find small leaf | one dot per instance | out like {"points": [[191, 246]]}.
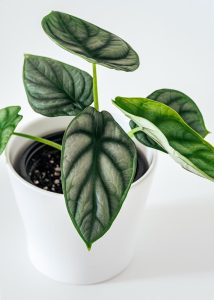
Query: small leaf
{"points": [[166, 127], [94, 44], [9, 119], [184, 106], [54, 88], [98, 166]]}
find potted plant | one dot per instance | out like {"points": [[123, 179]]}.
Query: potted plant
{"points": [[84, 153]]}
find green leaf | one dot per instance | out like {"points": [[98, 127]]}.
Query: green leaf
{"points": [[184, 106], [9, 119], [145, 139], [166, 127], [98, 166], [55, 88], [94, 44]]}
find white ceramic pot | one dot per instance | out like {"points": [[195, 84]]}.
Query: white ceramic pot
{"points": [[54, 246]]}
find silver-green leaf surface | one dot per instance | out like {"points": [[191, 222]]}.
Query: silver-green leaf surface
{"points": [[89, 41], [166, 127], [98, 166], [55, 88], [9, 119]]}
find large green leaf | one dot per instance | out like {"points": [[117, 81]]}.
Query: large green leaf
{"points": [[98, 166], [55, 88], [183, 105], [165, 126], [94, 44], [9, 119]]}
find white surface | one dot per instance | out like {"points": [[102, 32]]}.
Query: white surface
{"points": [[175, 41], [54, 246]]}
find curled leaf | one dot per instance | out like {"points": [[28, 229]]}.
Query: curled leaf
{"points": [[166, 127], [183, 105], [145, 139]]}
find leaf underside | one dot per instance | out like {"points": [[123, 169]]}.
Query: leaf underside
{"points": [[98, 166], [183, 105], [168, 129], [55, 88], [92, 43], [9, 119], [145, 139]]}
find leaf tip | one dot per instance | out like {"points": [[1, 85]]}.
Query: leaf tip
{"points": [[18, 107], [27, 55], [44, 19], [117, 100], [207, 132], [52, 12], [89, 246]]}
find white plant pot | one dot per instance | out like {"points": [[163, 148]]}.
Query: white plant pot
{"points": [[54, 246]]}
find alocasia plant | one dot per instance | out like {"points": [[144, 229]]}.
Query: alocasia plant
{"points": [[98, 159]]}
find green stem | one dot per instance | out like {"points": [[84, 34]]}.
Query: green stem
{"points": [[39, 140], [95, 91], [133, 131]]}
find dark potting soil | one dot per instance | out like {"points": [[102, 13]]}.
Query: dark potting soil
{"points": [[39, 164]]}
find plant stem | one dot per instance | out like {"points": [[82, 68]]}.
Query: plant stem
{"points": [[133, 131], [39, 140], [95, 91]]}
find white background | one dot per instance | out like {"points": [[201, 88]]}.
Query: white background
{"points": [[175, 42]]}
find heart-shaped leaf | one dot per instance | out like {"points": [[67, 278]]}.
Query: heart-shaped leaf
{"points": [[94, 44], [98, 166], [54, 88], [9, 119], [166, 127], [183, 105]]}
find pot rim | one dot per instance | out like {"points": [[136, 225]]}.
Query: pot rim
{"points": [[57, 195]]}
